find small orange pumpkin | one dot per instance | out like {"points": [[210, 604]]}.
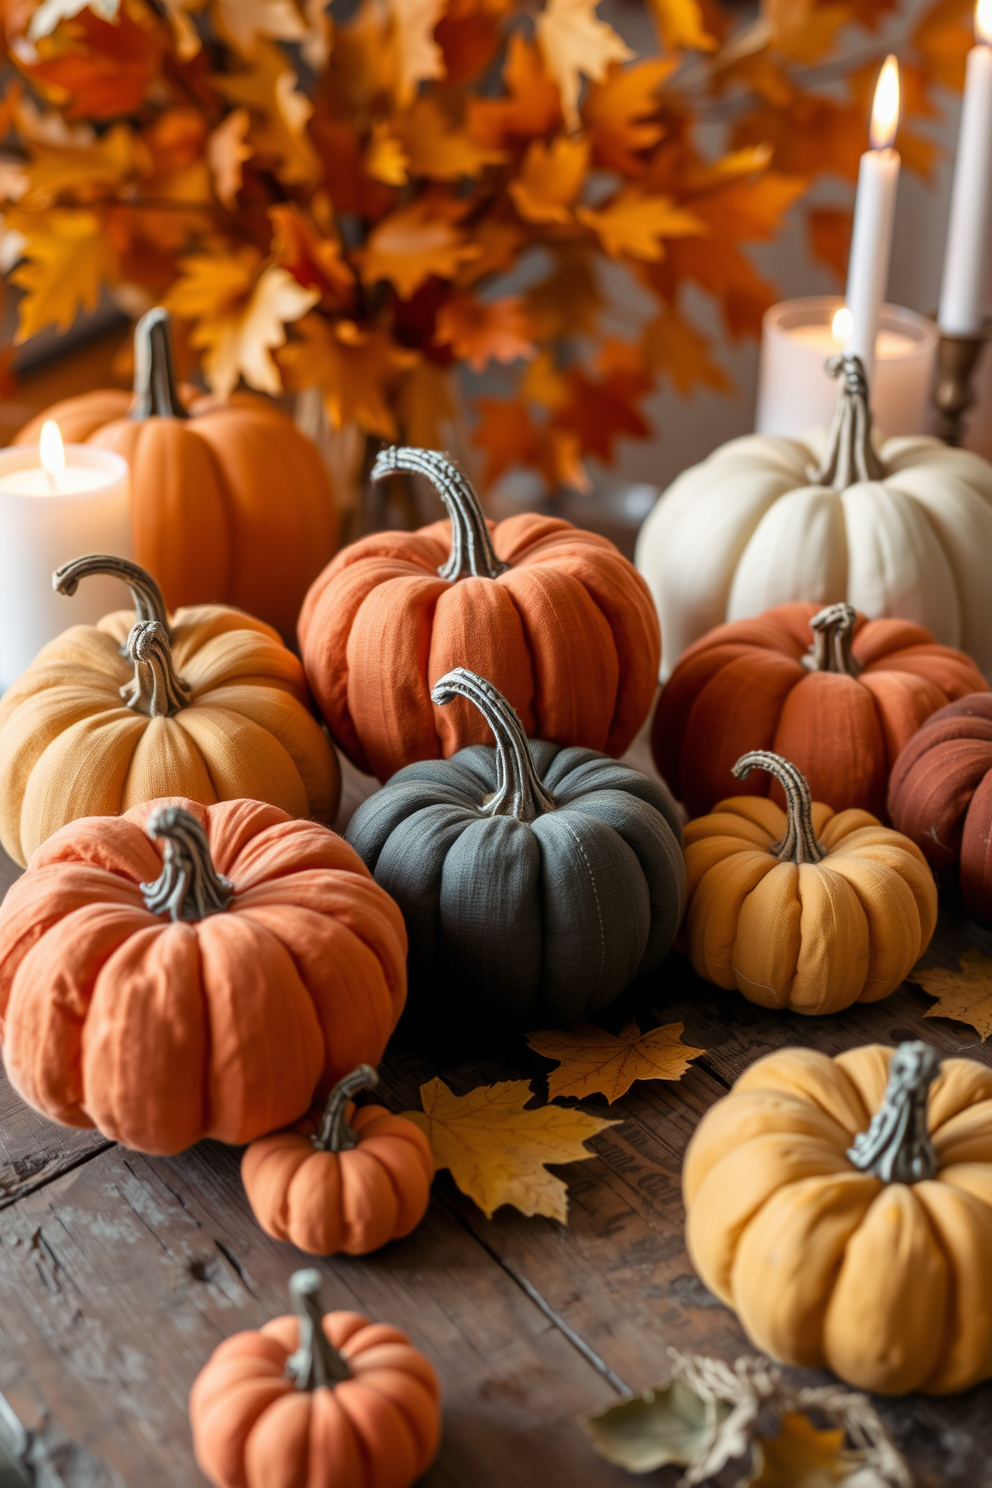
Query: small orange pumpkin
{"points": [[326, 1401], [349, 1180]]}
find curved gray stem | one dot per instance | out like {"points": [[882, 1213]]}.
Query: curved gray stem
{"points": [[156, 687], [520, 791], [156, 390], [897, 1146], [335, 1135], [850, 455], [799, 845], [146, 596], [316, 1363], [833, 636], [472, 551], [189, 886]]}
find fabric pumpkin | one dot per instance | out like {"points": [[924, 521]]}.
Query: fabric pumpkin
{"points": [[847, 1217], [190, 971], [841, 709], [350, 1179], [555, 617], [209, 704], [230, 502], [326, 1400], [901, 532], [803, 908], [940, 795], [536, 882]]}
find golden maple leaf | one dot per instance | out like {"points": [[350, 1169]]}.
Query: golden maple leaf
{"points": [[681, 26], [419, 57], [354, 369], [801, 1456], [79, 170], [496, 1150], [414, 242], [635, 224], [483, 331], [672, 346], [385, 158], [227, 150], [279, 113], [594, 1062], [965, 995], [532, 105], [550, 179], [68, 258], [616, 113], [437, 149], [425, 404], [575, 44], [243, 22]]}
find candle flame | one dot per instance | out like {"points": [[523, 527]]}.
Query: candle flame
{"points": [[842, 324], [885, 109], [51, 449], [983, 21]]}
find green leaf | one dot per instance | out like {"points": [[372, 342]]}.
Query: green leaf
{"points": [[669, 1424]]}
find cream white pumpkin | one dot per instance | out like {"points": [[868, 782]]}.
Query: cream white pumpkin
{"points": [[899, 528]]}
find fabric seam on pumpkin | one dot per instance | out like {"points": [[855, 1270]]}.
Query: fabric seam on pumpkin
{"points": [[599, 909]]}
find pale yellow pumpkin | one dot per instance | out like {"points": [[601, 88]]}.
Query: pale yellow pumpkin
{"points": [[843, 1208]]}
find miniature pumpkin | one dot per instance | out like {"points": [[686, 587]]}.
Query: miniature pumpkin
{"points": [[535, 881], [323, 1400], [847, 1217], [940, 795], [190, 971], [209, 704], [555, 617], [348, 1180], [230, 503], [803, 908], [904, 531], [840, 709]]}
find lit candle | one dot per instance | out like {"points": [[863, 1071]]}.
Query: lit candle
{"points": [[874, 215], [969, 230], [55, 503]]}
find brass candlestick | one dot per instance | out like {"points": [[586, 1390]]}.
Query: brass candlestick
{"points": [[957, 358]]}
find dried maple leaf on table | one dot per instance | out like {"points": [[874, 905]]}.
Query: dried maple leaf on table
{"points": [[67, 259], [594, 1062], [550, 180], [576, 44], [496, 1150], [965, 995], [483, 331], [801, 1456], [669, 1425], [636, 224], [354, 367], [415, 242]]}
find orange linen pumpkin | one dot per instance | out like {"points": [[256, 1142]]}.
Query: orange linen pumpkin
{"points": [[843, 1208], [316, 1401], [351, 1178], [803, 908], [208, 704], [840, 709], [555, 618], [230, 503], [189, 971]]}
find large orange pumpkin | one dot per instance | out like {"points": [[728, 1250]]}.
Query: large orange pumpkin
{"points": [[555, 618], [840, 709], [190, 971], [230, 503]]}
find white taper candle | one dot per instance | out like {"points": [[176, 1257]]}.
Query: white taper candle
{"points": [[874, 216], [969, 230]]}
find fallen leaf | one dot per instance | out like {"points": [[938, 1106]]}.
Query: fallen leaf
{"points": [[414, 242], [68, 259], [594, 1062], [227, 151], [681, 26], [437, 149], [496, 1150], [829, 231], [484, 331], [616, 112], [420, 57], [576, 44], [550, 180], [669, 1424], [354, 368], [673, 347], [633, 223], [965, 995], [242, 22], [801, 1456], [532, 105]]}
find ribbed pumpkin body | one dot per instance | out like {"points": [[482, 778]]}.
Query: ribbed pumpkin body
{"points": [[889, 1284]]}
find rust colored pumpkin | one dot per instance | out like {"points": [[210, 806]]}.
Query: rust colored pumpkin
{"points": [[190, 971], [208, 704], [316, 1401], [556, 619], [841, 709], [230, 503], [843, 1208], [349, 1179], [803, 908], [940, 795]]}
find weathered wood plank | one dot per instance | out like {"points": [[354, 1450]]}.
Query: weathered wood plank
{"points": [[33, 1151]]}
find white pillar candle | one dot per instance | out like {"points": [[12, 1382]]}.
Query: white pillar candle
{"points": [[48, 516], [874, 216], [969, 229]]}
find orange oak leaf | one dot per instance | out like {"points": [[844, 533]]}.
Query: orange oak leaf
{"points": [[426, 406], [419, 56], [576, 44], [532, 105], [483, 331], [439, 150], [829, 230], [227, 151], [681, 26], [313, 259], [617, 113], [415, 242], [280, 111], [497, 1150], [965, 994], [511, 438], [354, 368], [594, 1062], [635, 224], [669, 345], [67, 260], [550, 180]]}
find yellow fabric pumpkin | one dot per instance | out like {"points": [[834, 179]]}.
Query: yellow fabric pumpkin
{"points": [[847, 1218], [209, 705], [803, 908]]}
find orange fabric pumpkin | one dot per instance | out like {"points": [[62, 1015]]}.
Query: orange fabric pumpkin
{"points": [[555, 618], [316, 1401], [230, 503], [350, 1179], [840, 709], [189, 971]]}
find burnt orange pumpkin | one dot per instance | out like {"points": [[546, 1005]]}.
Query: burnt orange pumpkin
{"points": [[315, 1401], [840, 708], [555, 618], [230, 503], [188, 971], [346, 1179]]}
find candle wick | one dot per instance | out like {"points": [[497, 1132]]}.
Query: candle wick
{"points": [[53, 485]]}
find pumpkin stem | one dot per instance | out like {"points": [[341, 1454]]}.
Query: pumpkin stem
{"points": [[472, 551], [799, 845], [189, 886], [156, 687], [897, 1146], [156, 392], [146, 596], [316, 1363], [850, 455], [519, 790], [833, 635], [335, 1135]]}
